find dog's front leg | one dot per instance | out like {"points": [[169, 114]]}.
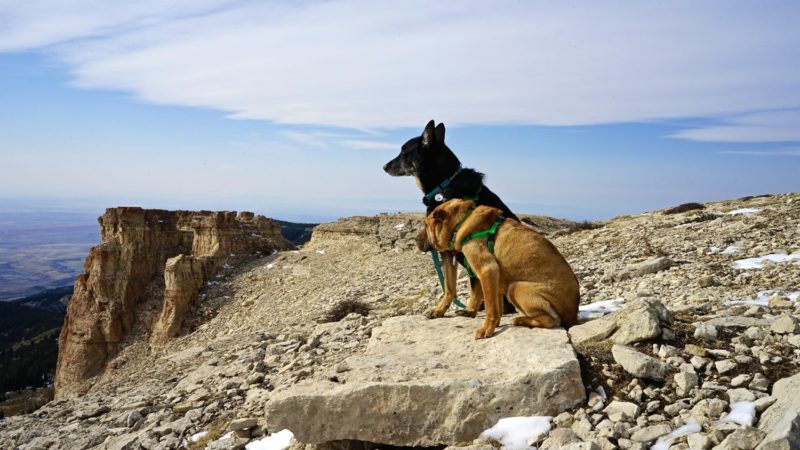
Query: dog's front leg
{"points": [[475, 299], [488, 272], [450, 273]]}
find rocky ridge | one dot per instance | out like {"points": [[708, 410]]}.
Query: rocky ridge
{"points": [[700, 334], [147, 261]]}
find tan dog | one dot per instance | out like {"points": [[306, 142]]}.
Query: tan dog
{"points": [[525, 265]]}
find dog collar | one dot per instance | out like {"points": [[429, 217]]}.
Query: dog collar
{"points": [[436, 193]]}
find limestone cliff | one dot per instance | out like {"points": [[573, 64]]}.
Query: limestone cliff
{"points": [[148, 255]]}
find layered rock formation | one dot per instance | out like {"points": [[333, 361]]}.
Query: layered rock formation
{"points": [[146, 255]]}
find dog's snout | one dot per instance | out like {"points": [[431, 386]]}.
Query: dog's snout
{"points": [[386, 167]]}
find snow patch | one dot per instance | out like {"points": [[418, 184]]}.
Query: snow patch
{"points": [[513, 433], [227, 266], [270, 266], [729, 250], [762, 298], [664, 442], [758, 262], [321, 252], [225, 436], [399, 226], [742, 413], [197, 436], [275, 441], [739, 211], [601, 308]]}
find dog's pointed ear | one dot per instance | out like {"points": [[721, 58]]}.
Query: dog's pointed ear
{"points": [[429, 134], [440, 132]]}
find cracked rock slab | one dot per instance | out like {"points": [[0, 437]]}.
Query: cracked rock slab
{"points": [[429, 382]]}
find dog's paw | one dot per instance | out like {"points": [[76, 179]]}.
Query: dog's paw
{"points": [[484, 333], [466, 313], [433, 313]]}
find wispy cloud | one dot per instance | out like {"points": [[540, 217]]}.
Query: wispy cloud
{"points": [[362, 144], [778, 152], [769, 126], [311, 139], [372, 65], [326, 139]]}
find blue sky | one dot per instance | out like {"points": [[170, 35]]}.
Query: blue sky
{"points": [[572, 109]]}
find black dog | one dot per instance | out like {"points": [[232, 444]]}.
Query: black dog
{"points": [[439, 173], [441, 177]]}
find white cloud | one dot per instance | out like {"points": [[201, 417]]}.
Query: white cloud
{"points": [[769, 126], [325, 139], [311, 139], [777, 152], [364, 144], [362, 64]]}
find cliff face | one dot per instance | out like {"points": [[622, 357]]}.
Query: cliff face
{"points": [[155, 255]]}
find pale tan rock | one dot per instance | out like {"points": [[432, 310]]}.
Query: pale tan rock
{"points": [[639, 320], [428, 382], [637, 363], [781, 421], [183, 277]]}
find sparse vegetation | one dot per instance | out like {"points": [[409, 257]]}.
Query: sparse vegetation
{"points": [[29, 330], [580, 226], [652, 249], [340, 310], [214, 432], [702, 217], [684, 207]]}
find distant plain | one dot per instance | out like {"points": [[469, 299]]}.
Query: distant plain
{"points": [[41, 250]]}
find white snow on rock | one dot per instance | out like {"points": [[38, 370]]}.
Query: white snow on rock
{"points": [[600, 308], [742, 413], [729, 250], [321, 252], [197, 436], [664, 442], [399, 226], [739, 211], [762, 298], [275, 441], [758, 262], [513, 433]]}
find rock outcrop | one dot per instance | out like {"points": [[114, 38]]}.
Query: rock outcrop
{"points": [[429, 382], [130, 267]]}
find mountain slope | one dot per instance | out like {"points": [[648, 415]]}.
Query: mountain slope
{"points": [[255, 329]]}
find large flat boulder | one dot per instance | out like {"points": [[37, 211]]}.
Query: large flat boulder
{"points": [[429, 382], [781, 421]]}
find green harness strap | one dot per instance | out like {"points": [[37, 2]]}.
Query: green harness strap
{"points": [[488, 234], [438, 266]]}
